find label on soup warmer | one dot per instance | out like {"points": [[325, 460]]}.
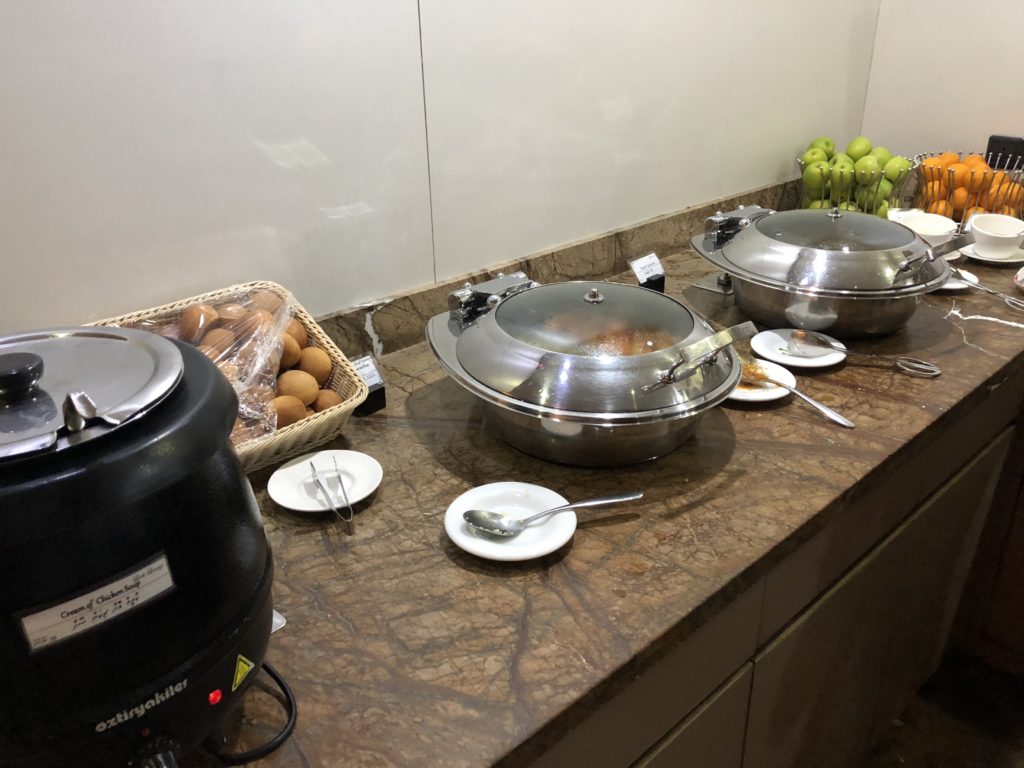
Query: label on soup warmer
{"points": [[98, 606]]}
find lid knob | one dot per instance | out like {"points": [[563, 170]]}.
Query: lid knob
{"points": [[19, 373], [593, 296]]}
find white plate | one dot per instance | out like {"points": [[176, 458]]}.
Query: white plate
{"points": [[521, 499], [756, 394], [955, 284], [1017, 257], [771, 345], [292, 484]]}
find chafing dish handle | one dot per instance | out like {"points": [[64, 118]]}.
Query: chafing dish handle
{"points": [[931, 254], [704, 351]]}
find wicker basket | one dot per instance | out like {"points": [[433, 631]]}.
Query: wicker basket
{"points": [[307, 433]]}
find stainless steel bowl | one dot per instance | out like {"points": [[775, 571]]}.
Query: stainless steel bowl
{"points": [[585, 373], [846, 273]]}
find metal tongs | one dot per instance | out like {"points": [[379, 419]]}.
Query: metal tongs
{"points": [[1011, 301], [330, 498], [811, 344]]}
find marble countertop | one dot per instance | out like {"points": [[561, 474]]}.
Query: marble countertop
{"points": [[405, 651]]}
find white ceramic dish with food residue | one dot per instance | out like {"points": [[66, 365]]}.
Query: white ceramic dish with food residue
{"points": [[753, 393]]}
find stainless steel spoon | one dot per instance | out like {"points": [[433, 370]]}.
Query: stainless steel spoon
{"points": [[501, 524], [754, 375]]}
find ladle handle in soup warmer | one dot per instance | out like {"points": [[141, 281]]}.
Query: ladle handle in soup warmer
{"points": [[704, 351]]}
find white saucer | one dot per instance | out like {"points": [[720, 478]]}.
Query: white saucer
{"points": [[292, 484], [755, 394], [955, 284], [1017, 257], [523, 499], [771, 345]]}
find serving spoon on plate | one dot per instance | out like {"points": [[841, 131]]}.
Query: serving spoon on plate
{"points": [[502, 524]]}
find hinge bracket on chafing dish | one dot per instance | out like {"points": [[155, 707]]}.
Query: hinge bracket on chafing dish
{"points": [[723, 227], [471, 301]]}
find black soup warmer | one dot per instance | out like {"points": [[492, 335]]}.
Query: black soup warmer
{"points": [[135, 574]]}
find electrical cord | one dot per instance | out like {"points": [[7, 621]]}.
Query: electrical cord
{"points": [[241, 758]]}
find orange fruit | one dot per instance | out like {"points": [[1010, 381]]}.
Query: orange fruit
{"points": [[978, 180], [1014, 194], [998, 192], [932, 168], [941, 207], [959, 200], [973, 211], [958, 174], [948, 158], [974, 160], [1006, 211], [934, 190]]}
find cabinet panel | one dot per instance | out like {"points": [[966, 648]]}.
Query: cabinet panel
{"points": [[853, 657], [711, 736], [933, 557], [631, 720]]}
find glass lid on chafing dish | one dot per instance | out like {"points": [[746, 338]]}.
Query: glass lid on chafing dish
{"points": [[831, 252], [592, 347]]}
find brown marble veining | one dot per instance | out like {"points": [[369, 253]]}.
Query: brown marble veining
{"points": [[405, 651], [397, 322]]}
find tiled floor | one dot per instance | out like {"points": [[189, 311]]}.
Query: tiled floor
{"points": [[967, 716]]}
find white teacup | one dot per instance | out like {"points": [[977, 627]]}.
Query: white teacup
{"points": [[996, 236], [935, 229]]}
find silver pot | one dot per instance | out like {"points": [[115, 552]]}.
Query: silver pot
{"points": [[585, 373], [845, 273]]}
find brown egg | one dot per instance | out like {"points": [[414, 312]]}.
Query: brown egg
{"points": [[310, 412], [254, 324], [298, 332], [316, 363], [231, 315], [325, 399], [220, 339], [289, 409], [298, 383], [195, 321], [290, 352], [266, 300]]}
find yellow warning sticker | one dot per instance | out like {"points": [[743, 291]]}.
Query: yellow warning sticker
{"points": [[242, 668]]}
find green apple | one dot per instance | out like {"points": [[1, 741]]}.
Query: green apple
{"points": [[816, 175], [883, 155], [872, 196], [896, 168], [818, 204], [848, 207], [867, 170], [842, 177], [858, 147], [825, 144], [813, 155], [840, 159], [882, 210]]}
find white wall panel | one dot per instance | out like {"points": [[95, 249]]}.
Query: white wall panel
{"points": [[946, 74], [149, 150], [554, 121]]}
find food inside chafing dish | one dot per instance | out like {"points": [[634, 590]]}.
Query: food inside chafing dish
{"points": [[626, 341]]}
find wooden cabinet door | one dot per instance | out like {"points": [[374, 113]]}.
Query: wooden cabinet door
{"points": [[710, 736], [821, 687]]}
